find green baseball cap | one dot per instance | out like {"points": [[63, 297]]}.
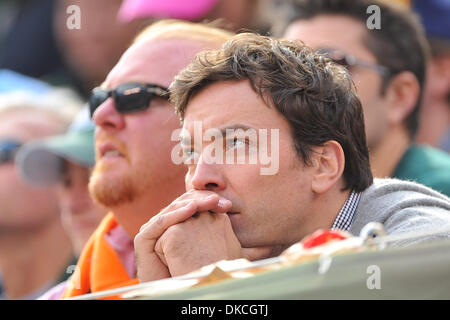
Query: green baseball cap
{"points": [[43, 161]]}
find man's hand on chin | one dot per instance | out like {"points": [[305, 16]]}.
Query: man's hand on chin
{"points": [[193, 231], [153, 265], [201, 240]]}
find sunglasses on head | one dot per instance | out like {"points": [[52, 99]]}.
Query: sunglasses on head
{"points": [[128, 97], [8, 150], [350, 61]]}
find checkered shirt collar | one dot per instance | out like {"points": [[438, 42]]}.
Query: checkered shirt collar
{"points": [[344, 219]]}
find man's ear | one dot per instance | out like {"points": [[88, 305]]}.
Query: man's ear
{"points": [[401, 95], [328, 162]]}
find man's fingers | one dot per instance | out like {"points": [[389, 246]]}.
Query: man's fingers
{"points": [[206, 201], [161, 222], [159, 252], [214, 204]]}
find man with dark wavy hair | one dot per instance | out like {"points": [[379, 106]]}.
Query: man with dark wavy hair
{"points": [[232, 208]]}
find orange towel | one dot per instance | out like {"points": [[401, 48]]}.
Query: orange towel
{"points": [[99, 267]]}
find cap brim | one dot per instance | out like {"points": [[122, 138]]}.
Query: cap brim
{"points": [[42, 162]]}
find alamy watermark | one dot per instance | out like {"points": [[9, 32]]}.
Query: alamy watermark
{"points": [[228, 146], [75, 279], [74, 19], [374, 280], [374, 20]]}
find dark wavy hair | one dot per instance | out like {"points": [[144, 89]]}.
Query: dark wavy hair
{"points": [[314, 94]]}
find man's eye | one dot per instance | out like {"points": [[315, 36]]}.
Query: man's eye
{"points": [[236, 143]]}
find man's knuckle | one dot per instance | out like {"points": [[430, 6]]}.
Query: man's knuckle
{"points": [[171, 206], [160, 220], [137, 240]]}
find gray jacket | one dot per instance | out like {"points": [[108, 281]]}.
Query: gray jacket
{"points": [[402, 206]]}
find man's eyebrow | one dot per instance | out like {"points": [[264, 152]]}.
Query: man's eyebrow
{"points": [[237, 126]]}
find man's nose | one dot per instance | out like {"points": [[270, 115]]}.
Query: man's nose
{"points": [[106, 116], [207, 176]]}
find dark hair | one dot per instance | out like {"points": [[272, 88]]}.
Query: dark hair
{"points": [[314, 94], [400, 44]]}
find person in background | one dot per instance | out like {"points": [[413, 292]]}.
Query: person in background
{"points": [[388, 66], [39, 43], [34, 248], [66, 161], [134, 176], [27, 43], [434, 124], [93, 49]]}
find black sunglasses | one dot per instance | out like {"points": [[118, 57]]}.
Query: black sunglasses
{"points": [[8, 150], [128, 97], [350, 61]]}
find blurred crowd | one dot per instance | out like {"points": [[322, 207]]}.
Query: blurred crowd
{"points": [[48, 71]]}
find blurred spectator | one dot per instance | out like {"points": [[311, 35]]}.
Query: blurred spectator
{"points": [[27, 46], [39, 43], [34, 249], [434, 128], [66, 160], [95, 48], [236, 14], [388, 67]]}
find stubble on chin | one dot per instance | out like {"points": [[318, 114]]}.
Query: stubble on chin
{"points": [[110, 191]]}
